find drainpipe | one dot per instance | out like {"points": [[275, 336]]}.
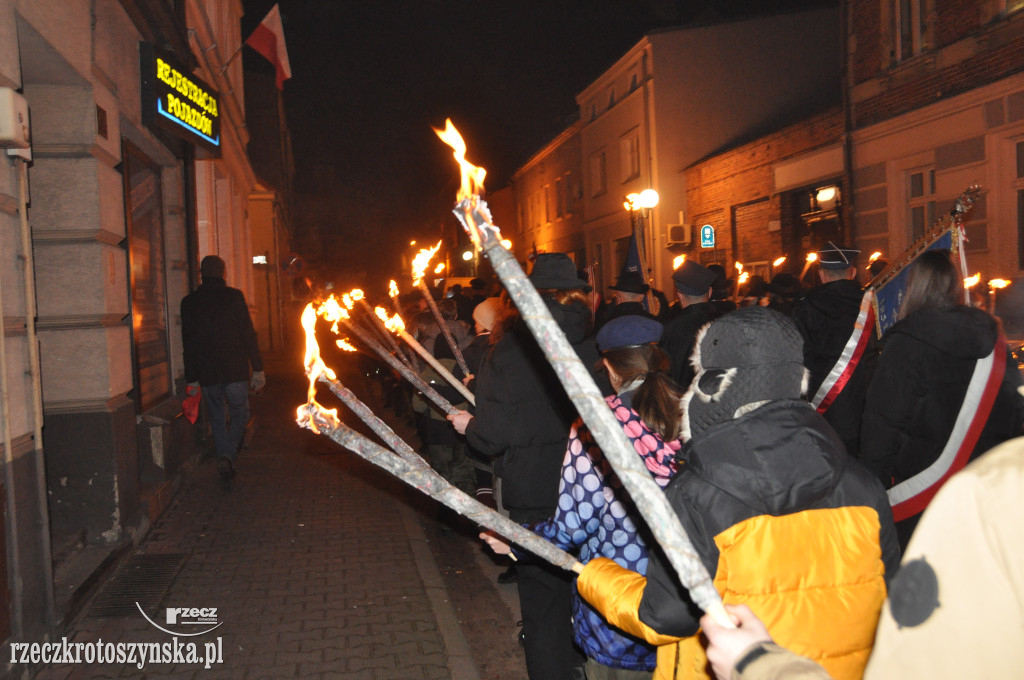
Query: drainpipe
{"points": [[37, 396]]}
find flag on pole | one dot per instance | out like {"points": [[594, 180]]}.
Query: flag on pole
{"points": [[268, 40], [634, 263]]}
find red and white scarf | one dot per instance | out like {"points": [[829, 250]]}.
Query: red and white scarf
{"points": [[913, 495], [840, 374]]}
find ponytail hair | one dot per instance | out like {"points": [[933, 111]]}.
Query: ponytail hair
{"points": [[657, 398]]}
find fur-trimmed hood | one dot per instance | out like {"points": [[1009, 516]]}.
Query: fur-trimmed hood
{"points": [[742, 360]]}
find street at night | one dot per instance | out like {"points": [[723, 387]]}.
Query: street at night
{"points": [[319, 565], [519, 340]]}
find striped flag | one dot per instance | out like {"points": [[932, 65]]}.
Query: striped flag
{"points": [[268, 40]]}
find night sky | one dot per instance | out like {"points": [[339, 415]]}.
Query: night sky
{"points": [[371, 77]]}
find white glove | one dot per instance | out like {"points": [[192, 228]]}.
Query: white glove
{"points": [[259, 381]]}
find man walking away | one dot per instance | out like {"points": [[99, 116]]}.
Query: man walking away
{"points": [[220, 347]]}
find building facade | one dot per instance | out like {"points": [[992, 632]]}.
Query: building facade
{"points": [[680, 96], [137, 168], [936, 104]]}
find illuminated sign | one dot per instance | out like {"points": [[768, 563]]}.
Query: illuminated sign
{"points": [[177, 101]]}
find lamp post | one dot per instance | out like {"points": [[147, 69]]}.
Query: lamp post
{"points": [[641, 203]]}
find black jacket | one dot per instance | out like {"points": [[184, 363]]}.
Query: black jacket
{"points": [[922, 376], [825, 318], [217, 334], [679, 336], [779, 459], [523, 412]]}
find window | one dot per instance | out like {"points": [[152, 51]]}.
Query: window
{"points": [[909, 28], [547, 203], [629, 150], [598, 183], [559, 197], [921, 202], [144, 209], [570, 194]]}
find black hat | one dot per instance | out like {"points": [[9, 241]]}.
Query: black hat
{"points": [[555, 271], [836, 257], [631, 330], [630, 282], [693, 279]]}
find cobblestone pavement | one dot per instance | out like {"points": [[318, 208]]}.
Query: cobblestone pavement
{"points": [[320, 566]]}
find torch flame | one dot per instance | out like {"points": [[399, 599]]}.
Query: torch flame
{"points": [[743, 277], [972, 281], [315, 367], [331, 311], [392, 289], [874, 256], [507, 244], [677, 261], [812, 257], [439, 268], [472, 176], [346, 345], [356, 294], [778, 261], [346, 299], [739, 266], [393, 323], [420, 262], [998, 283]]}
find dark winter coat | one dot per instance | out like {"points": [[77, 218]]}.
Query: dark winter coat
{"points": [[679, 336], [785, 522], [825, 318], [218, 337], [523, 412], [922, 376], [627, 309]]}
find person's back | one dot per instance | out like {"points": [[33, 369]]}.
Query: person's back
{"points": [[763, 473], [944, 391], [220, 346]]}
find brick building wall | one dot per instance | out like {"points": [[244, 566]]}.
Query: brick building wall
{"points": [[735, 192], [967, 44]]}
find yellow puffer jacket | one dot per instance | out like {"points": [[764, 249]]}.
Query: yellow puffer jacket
{"points": [[818, 597]]}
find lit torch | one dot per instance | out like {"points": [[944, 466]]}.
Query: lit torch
{"points": [[419, 268], [397, 326], [811, 259], [993, 286], [739, 280], [648, 497], [403, 461], [338, 315], [358, 296]]}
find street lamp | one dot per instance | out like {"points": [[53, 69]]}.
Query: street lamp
{"points": [[640, 202]]}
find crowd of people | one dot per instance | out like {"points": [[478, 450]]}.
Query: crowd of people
{"points": [[800, 452]]}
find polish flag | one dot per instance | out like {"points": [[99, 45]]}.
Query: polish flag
{"points": [[268, 40]]}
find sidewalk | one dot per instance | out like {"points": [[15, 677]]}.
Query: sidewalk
{"points": [[319, 565]]}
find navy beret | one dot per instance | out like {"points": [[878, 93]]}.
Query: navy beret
{"points": [[632, 330], [693, 279]]}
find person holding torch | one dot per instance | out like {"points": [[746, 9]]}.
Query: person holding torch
{"points": [[595, 516], [523, 413], [786, 522]]}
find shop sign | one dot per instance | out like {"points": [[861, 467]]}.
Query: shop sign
{"points": [[176, 100]]}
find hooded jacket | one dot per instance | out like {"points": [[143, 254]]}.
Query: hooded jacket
{"points": [[922, 376], [523, 412], [786, 523]]}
